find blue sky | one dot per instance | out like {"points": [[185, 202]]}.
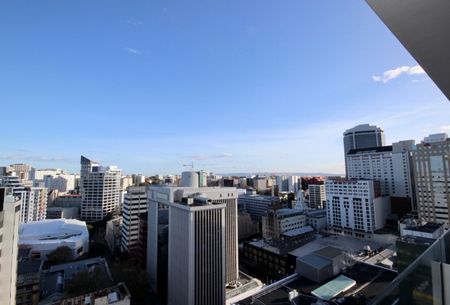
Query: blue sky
{"points": [[235, 86]]}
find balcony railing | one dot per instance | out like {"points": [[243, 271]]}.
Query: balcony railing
{"points": [[425, 282]]}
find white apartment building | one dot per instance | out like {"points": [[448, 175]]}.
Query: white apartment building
{"points": [[390, 165], [125, 182], [134, 204], [34, 204], [355, 207], [431, 165], [39, 174], [33, 200], [9, 236], [61, 182], [317, 196], [100, 190]]}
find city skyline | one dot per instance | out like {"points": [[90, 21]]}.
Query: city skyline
{"points": [[242, 96]]}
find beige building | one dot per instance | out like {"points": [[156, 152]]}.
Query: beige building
{"points": [[9, 235], [431, 165]]}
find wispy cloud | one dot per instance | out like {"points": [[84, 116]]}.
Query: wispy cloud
{"points": [[135, 22], [201, 157], [33, 158], [132, 51], [445, 128], [397, 72]]}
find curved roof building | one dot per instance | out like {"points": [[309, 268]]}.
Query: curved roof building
{"points": [[47, 235]]}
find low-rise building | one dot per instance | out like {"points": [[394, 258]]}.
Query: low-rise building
{"points": [[46, 236], [28, 282], [60, 212], [116, 295], [321, 265], [55, 279], [280, 221], [317, 219], [257, 205]]}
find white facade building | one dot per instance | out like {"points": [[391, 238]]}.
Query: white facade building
{"points": [[34, 204], [61, 182], [391, 165], [355, 207], [9, 236], [39, 174], [33, 200], [46, 236], [100, 190], [134, 204], [431, 164]]}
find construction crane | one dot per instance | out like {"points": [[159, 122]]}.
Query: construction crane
{"points": [[191, 165]]}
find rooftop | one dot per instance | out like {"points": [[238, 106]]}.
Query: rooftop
{"points": [[429, 227], [51, 231], [370, 149], [299, 231], [370, 280], [334, 287]]}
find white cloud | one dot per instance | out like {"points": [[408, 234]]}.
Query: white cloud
{"points": [[33, 158], [394, 73], [199, 157], [132, 51], [135, 22], [445, 128]]}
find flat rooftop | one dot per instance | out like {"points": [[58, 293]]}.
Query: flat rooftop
{"points": [[426, 228], [369, 281], [345, 243]]}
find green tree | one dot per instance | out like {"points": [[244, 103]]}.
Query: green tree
{"points": [[87, 281], [60, 255], [134, 277]]}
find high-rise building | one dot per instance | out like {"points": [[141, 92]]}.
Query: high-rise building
{"points": [[61, 182], [33, 200], [390, 165], [197, 253], [282, 183], [134, 204], [202, 243], [100, 190], [317, 196], [39, 174], [34, 204], [9, 236], [355, 207], [431, 165], [22, 170], [363, 136]]}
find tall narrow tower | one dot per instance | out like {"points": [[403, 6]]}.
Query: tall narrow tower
{"points": [[9, 233]]}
